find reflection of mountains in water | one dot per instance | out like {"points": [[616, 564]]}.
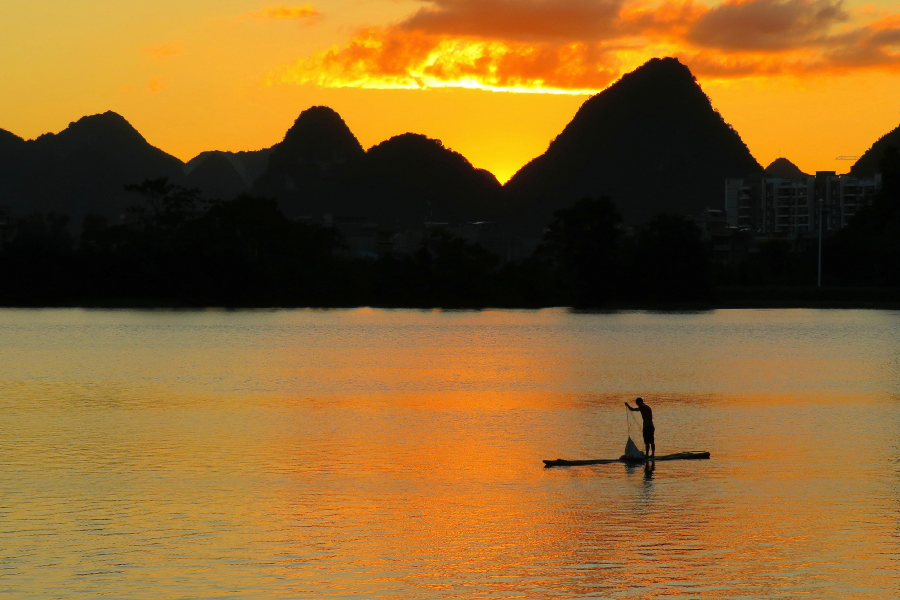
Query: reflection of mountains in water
{"points": [[652, 141]]}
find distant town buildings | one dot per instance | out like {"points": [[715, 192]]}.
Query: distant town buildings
{"points": [[764, 208], [773, 205]]}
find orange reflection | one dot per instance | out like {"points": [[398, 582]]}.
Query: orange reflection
{"points": [[279, 454]]}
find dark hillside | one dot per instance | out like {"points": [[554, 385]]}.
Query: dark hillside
{"points": [[411, 178], [320, 168], [84, 168], [12, 148], [249, 164], [785, 169], [651, 141], [868, 163], [10, 144], [305, 172], [217, 178]]}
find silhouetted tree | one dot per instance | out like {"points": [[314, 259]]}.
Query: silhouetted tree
{"points": [[43, 234], [579, 248], [402, 282], [446, 271], [243, 252], [461, 273], [772, 265], [667, 262], [248, 248], [164, 204], [37, 266]]}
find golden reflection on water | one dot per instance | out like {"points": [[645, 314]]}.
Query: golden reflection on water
{"points": [[397, 454]]}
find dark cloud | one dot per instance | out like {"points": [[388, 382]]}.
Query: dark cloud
{"points": [[766, 25], [572, 46], [520, 20], [866, 47], [885, 37]]}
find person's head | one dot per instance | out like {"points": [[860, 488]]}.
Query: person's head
{"points": [[639, 401]]}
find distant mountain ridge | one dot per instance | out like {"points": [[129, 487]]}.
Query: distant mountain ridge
{"points": [[652, 142], [12, 149], [249, 165], [224, 175], [306, 170], [84, 168], [216, 177], [867, 164], [785, 169], [81, 169], [321, 168], [414, 178]]}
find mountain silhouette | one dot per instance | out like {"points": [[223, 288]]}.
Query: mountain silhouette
{"points": [[248, 164], [11, 145], [216, 177], [318, 168], [411, 178], [652, 141], [305, 170], [785, 169], [867, 165], [83, 169], [12, 149], [321, 168]]}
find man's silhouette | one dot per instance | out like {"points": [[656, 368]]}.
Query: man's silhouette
{"points": [[649, 429]]}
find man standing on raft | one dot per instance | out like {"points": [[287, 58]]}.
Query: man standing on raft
{"points": [[649, 429]]}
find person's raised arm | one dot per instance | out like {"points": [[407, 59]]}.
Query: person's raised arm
{"points": [[631, 409]]}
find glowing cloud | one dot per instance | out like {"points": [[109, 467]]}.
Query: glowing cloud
{"points": [[581, 46], [396, 59]]}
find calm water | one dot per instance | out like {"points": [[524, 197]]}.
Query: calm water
{"points": [[380, 454]]}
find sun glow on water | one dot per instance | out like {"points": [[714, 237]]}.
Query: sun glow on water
{"points": [[327, 454]]}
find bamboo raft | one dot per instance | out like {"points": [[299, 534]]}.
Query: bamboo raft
{"points": [[693, 455]]}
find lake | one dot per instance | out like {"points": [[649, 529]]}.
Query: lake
{"points": [[397, 454]]}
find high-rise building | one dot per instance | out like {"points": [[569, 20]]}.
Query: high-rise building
{"points": [[856, 192], [774, 205]]}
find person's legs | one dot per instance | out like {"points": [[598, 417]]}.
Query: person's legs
{"points": [[649, 441]]}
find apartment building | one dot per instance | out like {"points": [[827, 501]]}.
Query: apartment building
{"points": [[856, 192], [773, 205]]}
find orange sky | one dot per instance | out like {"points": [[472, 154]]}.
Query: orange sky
{"points": [[493, 79]]}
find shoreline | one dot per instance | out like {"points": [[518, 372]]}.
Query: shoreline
{"points": [[725, 298]]}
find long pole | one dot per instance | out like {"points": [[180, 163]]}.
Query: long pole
{"points": [[821, 218]]}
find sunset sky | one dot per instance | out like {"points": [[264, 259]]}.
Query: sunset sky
{"points": [[493, 79]]}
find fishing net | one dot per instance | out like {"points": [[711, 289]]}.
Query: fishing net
{"points": [[635, 428]]}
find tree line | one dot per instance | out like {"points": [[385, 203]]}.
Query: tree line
{"points": [[178, 249]]}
